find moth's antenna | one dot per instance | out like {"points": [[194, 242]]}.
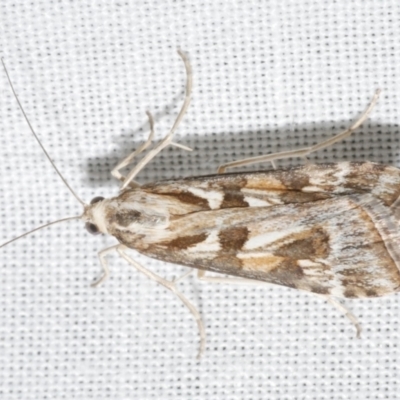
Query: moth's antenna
{"points": [[37, 139], [38, 228]]}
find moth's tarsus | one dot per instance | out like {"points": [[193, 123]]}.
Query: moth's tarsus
{"points": [[304, 152]]}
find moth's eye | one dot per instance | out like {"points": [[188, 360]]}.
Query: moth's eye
{"points": [[92, 228], [96, 199]]}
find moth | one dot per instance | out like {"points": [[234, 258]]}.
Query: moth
{"points": [[329, 229]]}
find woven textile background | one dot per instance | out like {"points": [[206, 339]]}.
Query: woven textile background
{"points": [[268, 76]]}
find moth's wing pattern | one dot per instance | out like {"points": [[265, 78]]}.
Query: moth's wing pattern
{"points": [[326, 228], [330, 229], [330, 246], [306, 183]]}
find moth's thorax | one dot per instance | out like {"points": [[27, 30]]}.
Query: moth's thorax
{"points": [[134, 213]]}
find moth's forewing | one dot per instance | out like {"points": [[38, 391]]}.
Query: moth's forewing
{"points": [[327, 229], [287, 185]]}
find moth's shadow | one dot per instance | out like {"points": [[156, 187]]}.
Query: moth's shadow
{"points": [[373, 142]]}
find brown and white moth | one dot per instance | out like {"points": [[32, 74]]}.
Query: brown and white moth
{"points": [[330, 229]]}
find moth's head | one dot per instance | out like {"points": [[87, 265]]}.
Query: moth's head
{"points": [[134, 212], [95, 215]]}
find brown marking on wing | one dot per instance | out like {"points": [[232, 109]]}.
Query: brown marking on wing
{"points": [[284, 271], [354, 178], [288, 197], [363, 176], [189, 198], [318, 289], [233, 197], [354, 292], [227, 264], [265, 263], [265, 181], [361, 283], [366, 177], [293, 179], [375, 166], [184, 242], [233, 239], [279, 270], [372, 293], [287, 273], [354, 289], [308, 244]]}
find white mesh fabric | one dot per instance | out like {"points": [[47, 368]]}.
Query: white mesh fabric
{"points": [[268, 76]]}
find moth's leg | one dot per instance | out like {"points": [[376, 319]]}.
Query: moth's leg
{"points": [[304, 152], [184, 276], [201, 276], [346, 312], [106, 272], [127, 160], [171, 286], [168, 138]]}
